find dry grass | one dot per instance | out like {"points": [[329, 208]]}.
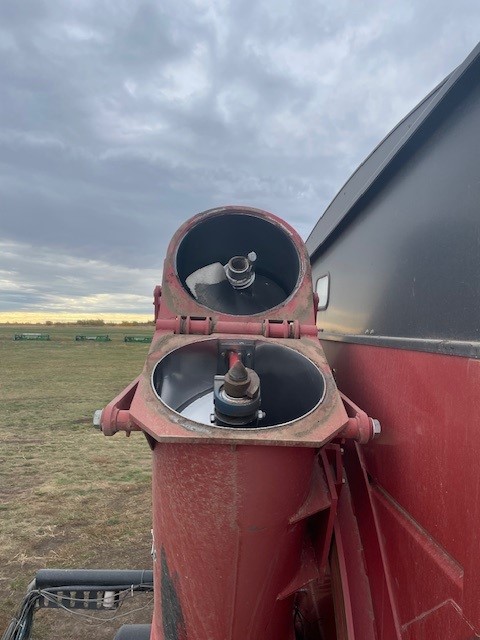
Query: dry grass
{"points": [[69, 496]]}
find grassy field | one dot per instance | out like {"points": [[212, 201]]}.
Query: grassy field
{"points": [[69, 496]]}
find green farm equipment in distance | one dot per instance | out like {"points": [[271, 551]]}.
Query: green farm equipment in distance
{"points": [[31, 336]]}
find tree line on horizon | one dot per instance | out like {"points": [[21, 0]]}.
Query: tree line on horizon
{"points": [[95, 322]]}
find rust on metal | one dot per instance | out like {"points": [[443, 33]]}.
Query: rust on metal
{"points": [[220, 511]]}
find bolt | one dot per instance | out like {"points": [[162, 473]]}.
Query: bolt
{"points": [[97, 419], [261, 414], [377, 427], [238, 373]]}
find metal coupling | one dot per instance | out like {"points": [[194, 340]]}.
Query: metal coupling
{"points": [[239, 271], [237, 397]]}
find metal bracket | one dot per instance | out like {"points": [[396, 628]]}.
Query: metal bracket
{"points": [[360, 426], [97, 599], [320, 506]]}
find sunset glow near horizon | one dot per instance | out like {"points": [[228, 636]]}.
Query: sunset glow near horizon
{"points": [[38, 317]]}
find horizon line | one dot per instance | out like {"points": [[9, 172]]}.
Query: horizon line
{"points": [[40, 317]]}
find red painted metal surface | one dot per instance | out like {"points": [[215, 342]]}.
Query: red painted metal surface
{"points": [[208, 325], [233, 552], [379, 576], [176, 303], [181, 320], [243, 519], [352, 585], [422, 481], [164, 424]]}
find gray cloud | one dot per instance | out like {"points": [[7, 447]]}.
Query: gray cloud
{"points": [[43, 280], [119, 120]]}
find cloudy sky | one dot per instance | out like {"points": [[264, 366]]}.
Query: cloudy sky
{"points": [[120, 119]]}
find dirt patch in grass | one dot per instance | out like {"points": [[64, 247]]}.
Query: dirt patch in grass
{"points": [[69, 496]]}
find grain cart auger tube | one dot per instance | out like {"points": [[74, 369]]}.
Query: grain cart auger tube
{"points": [[245, 423], [241, 410]]}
